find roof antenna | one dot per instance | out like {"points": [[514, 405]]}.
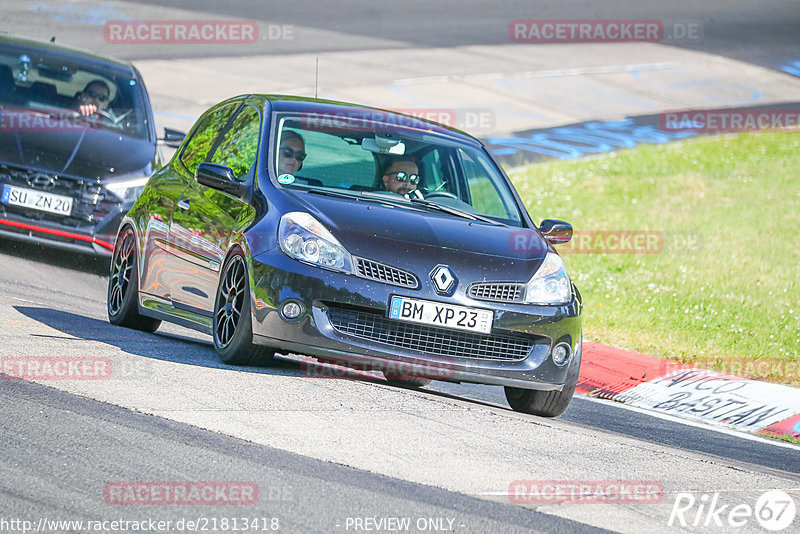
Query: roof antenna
{"points": [[316, 76]]}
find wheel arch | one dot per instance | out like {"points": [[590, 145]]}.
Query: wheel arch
{"points": [[239, 243]]}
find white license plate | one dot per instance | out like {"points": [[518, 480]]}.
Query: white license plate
{"points": [[440, 314], [29, 198]]}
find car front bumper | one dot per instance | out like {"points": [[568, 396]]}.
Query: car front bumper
{"points": [[344, 318], [88, 239]]}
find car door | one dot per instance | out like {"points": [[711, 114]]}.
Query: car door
{"points": [[161, 197], [207, 218], [202, 139]]}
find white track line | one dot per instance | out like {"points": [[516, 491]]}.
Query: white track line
{"points": [[540, 73]]}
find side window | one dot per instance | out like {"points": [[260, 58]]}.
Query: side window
{"points": [[482, 182], [239, 145], [334, 161], [204, 135]]}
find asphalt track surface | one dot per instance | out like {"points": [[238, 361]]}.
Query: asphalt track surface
{"points": [[590, 413], [81, 444], [59, 448], [764, 33]]}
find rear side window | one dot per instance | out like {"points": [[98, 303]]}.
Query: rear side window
{"points": [[239, 145], [205, 133], [334, 161]]}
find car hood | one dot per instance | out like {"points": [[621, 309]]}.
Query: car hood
{"points": [[88, 153], [382, 232]]}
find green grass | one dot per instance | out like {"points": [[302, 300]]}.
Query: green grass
{"points": [[782, 437], [732, 303]]}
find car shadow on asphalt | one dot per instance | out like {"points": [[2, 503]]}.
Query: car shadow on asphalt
{"points": [[165, 346], [182, 349], [87, 263]]}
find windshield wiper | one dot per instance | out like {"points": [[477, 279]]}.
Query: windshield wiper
{"points": [[454, 211], [337, 194], [398, 199], [329, 193]]}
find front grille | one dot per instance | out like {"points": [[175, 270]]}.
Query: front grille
{"points": [[90, 201], [496, 291], [428, 339], [385, 273]]}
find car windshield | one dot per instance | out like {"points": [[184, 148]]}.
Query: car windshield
{"points": [[42, 91], [378, 155]]}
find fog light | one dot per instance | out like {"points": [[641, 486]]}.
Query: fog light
{"points": [[561, 354], [291, 310]]}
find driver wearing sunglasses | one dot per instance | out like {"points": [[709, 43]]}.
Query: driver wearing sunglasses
{"points": [[93, 98], [291, 153], [401, 175]]}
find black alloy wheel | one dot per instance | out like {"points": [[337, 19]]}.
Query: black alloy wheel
{"points": [[123, 286], [233, 324]]}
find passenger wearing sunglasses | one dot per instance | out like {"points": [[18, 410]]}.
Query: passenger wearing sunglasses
{"points": [[401, 175], [291, 153], [94, 98]]}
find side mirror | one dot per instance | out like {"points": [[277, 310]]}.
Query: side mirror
{"points": [[219, 177], [173, 138], [555, 232]]}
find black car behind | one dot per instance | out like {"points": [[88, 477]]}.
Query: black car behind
{"points": [[66, 178]]}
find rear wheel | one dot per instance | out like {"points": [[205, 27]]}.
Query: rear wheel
{"points": [[122, 302], [546, 403], [233, 323]]}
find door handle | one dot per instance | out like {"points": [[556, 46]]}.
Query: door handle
{"points": [[183, 205]]}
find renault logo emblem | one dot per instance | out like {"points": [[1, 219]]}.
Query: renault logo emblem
{"points": [[444, 281], [41, 181]]}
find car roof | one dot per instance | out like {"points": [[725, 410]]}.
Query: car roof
{"points": [[67, 51], [290, 103]]}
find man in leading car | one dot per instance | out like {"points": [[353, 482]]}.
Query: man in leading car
{"points": [[401, 175], [94, 97]]}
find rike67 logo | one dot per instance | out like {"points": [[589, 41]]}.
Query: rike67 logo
{"points": [[774, 511]]}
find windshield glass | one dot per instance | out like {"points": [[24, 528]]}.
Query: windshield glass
{"points": [[371, 153], [42, 91]]}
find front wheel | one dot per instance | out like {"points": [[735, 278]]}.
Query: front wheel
{"points": [[123, 287], [233, 323], [547, 403]]}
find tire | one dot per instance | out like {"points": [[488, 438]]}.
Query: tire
{"points": [[546, 403], [122, 299], [400, 380], [233, 322]]}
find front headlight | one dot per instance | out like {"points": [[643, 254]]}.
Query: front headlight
{"points": [[304, 238], [127, 190], [550, 284]]}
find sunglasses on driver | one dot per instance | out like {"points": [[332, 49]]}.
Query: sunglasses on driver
{"points": [[289, 153], [403, 176], [97, 96]]}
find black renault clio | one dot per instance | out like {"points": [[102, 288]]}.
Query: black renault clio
{"points": [[352, 235]]}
